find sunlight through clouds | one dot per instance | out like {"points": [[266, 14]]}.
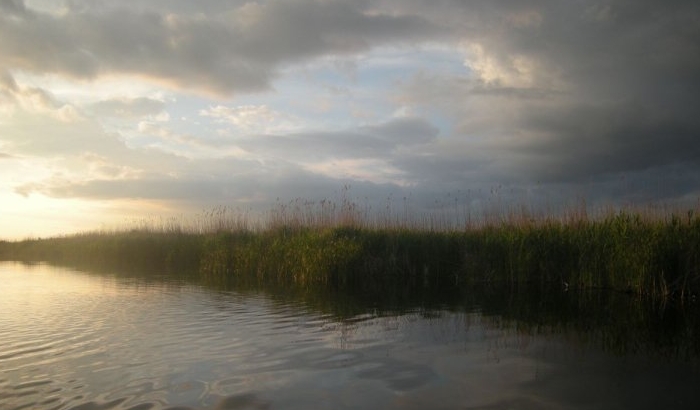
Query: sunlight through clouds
{"points": [[184, 105]]}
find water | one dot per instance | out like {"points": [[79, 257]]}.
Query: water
{"points": [[85, 341]]}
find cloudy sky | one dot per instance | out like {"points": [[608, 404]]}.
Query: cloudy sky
{"points": [[115, 110]]}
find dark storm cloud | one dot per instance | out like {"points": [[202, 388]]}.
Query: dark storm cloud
{"points": [[612, 88], [449, 170], [239, 49], [586, 141], [635, 79]]}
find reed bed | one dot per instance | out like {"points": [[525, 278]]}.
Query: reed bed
{"points": [[307, 244]]}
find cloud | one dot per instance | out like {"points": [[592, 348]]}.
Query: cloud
{"points": [[252, 119], [368, 142], [546, 99], [404, 131], [583, 142], [7, 82], [570, 92], [238, 50], [33, 99], [139, 188], [213, 188], [37, 134], [128, 107], [99, 166]]}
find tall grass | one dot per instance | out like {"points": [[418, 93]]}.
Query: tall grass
{"points": [[306, 244]]}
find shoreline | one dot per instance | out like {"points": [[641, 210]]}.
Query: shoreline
{"points": [[623, 252]]}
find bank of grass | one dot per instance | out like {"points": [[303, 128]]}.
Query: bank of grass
{"points": [[319, 245]]}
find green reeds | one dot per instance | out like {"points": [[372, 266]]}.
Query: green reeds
{"points": [[341, 247]]}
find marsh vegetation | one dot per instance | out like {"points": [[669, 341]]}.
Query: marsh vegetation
{"points": [[305, 244]]}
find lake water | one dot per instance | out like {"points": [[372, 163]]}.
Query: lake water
{"points": [[77, 340]]}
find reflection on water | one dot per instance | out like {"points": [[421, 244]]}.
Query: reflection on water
{"points": [[74, 340]]}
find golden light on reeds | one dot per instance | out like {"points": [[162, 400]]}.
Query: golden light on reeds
{"points": [[305, 243]]}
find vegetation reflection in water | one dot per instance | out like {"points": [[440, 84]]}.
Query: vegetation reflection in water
{"points": [[620, 323], [514, 321], [617, 322]]}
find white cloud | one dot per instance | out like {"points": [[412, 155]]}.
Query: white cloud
{"points": [[518, 70], [34, 100], [252, 119]]}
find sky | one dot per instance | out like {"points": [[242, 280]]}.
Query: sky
{"points": [[112, 111]]}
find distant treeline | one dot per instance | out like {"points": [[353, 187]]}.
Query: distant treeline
{"points": [[622, 251]]}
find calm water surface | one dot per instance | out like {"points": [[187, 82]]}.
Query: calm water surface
{"points": [[85, 341]]}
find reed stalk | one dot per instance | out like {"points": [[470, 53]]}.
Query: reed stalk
{"points": [[308, 244]]}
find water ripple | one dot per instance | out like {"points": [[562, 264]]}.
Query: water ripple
{"points": [[76, 341]]}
